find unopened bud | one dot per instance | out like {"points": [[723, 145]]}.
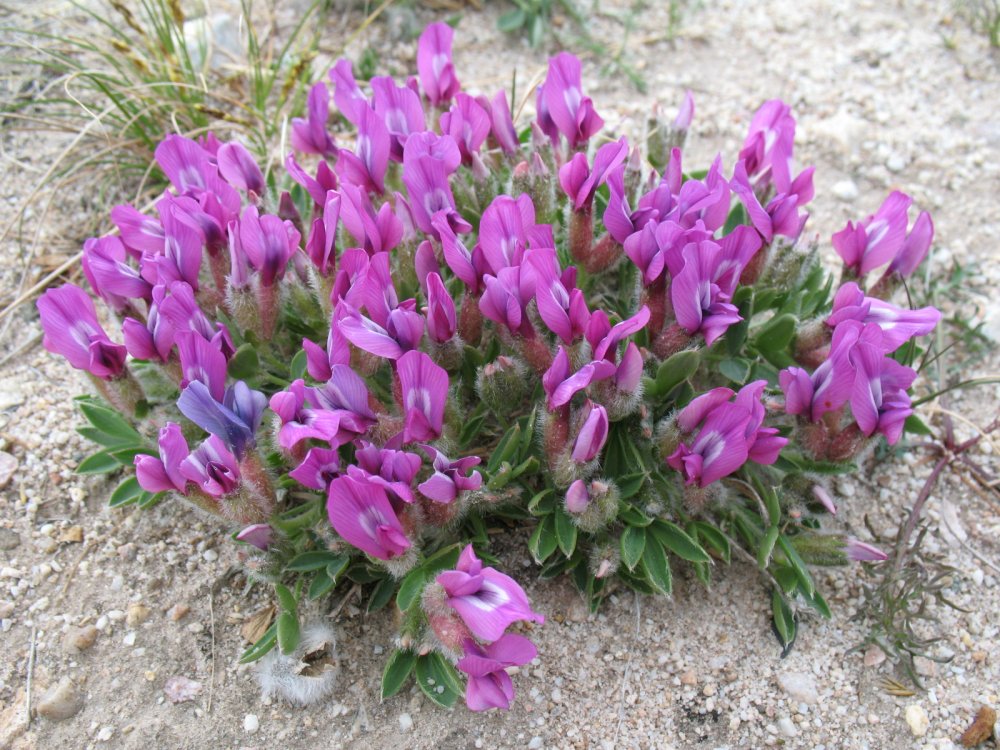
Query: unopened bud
{"points": [[501, 384], [820, 549]]}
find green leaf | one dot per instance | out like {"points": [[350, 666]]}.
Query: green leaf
{"points": [[736, 370], [542, 503], [111, 423], [313, 560], [410, 588], [126, 493], [630, 484], [337, 568], [633, 541], [675, 539], [438, 680], [543, 541], [738, 215], [289, 633], [266, 642], [676, 369], [798, 565], [511, 21], [565, 532], [506, 449], [126, 456], [297, 369], [147, 500], [784, 622], [381, 594], [99, 463], [244, 363], [913, 424], [776, 334], [286, 598], [397, 671], [633, 516], [767, 547], [712, 537], [656, 567], [320, 585]]}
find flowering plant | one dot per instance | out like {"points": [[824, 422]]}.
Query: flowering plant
{"points": [[455, 325]]}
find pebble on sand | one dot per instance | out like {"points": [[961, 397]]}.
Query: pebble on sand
{"points": [[61, 701]]}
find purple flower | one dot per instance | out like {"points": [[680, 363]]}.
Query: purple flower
{"points": [[881, 237], [402, 330], [898, 325], [441, 318], [629, 372], [310, 136], [320, 467], [318, 186], [562, 107], [426, 179], [507, 228], [213, 468], [105, 264], [72, 331], [186, 164], [320, 245], [450, 477], [361, 513], [163, 474], [367, 164], [577, 497], [701, 304], [879, 401], [346, 94], [468, 123], [489, 684], [259, 535], [915, 247], [399, 108], [319, 362], [183, 313], [437, 74], [182, 250], [560, 386], [467, 266], [239, 169], [502, 124], [593, 433], [424, 390], [781, 217], [486, 599], [268, 242], [730, 434], [685, 114], [335, 413], [604, 338], [505, 299], [140, 233], [154, 339], [580, 182], [375, 232], [829, 386], [824, 499], [863, 552], [767, 150], [235, 420], [560, 304], [201, 361]]}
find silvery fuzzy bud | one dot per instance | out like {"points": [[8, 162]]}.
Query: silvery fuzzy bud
{"points": [[668, 436], [604, 560], [812, 342], [821, 549], [789, 262], [502, 383], [592, 506], [306, 675]]}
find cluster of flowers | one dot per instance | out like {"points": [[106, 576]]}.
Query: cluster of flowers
{"points": [[225, 264]]}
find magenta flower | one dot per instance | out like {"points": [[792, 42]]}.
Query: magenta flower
{"points": [[360, 512], [374, 231], [593, 433], [501, 123], [487, 600], [105, 264], [881, 237], [767, 150], [309, 136], [879, 401], [580, 182], [829, 386], [268, 242], [186, 164], [508, 228], [367, 164], [701, 303], [402, 330], [437, 74], [426, 178], [562, 107], [863, 552], [577, 497], [154, 339], [239, 169], [489, 684], [182, 249], [213, 468], [259, 535], [730, 434], [424, 389], [468, 123], [560, 386], [318, 186], [781, 217], [915, 247], [320, 467], [323, 235], [235, 420], [898, 325], [604, 337], [467, 266], [181, 310], [163, 474], [560, 304], [395, 466], [140, 233], [201, 361], [450, 478], [69, 321], [505, 299], [346, 94], [320, 362], [399, 108], [441, 317], [336, 413]]}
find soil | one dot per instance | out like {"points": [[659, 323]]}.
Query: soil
{"points": [[887, 95]]}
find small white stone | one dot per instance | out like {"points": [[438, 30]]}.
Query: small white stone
{"points": [[210, 555], [895, 163], [129, 639], [799, 686], [917, 720], [405, 722], [251, 723], [535, 744], [846, 190], [105, 734], [787, 727]]}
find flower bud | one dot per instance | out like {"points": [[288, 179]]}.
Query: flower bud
{"points": [[501, 384], [604, 560], [821, 549]]}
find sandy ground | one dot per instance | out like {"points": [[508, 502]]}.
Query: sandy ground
{"points": [[887, 95]]}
